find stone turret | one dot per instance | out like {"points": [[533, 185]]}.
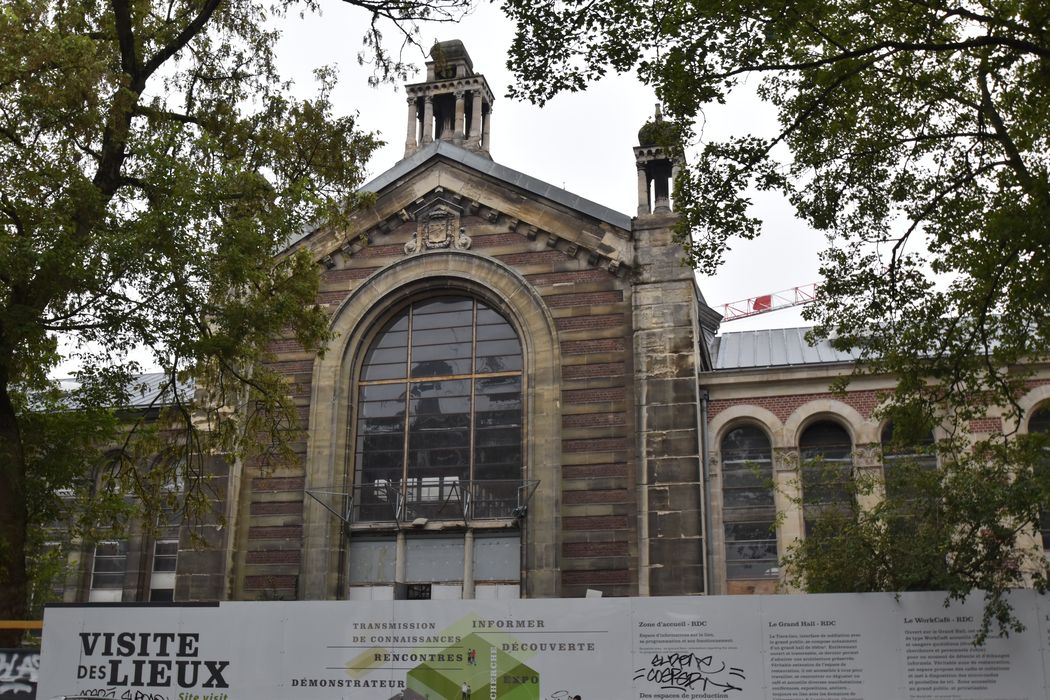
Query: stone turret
{"points": [[454, 104], [656, 166], [667, 318]]}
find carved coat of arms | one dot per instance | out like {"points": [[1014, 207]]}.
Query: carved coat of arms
{"points": [[439, 228]]}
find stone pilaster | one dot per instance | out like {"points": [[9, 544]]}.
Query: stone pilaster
{"points": [[787, 497], [670, 472]]}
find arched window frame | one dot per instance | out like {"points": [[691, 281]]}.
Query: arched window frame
{"points": [[1039, 422], [922, 454], [328, 458], [464, 495], [825, 479], [749, 529]]}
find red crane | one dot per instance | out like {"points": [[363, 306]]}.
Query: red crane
{"points": [[764, 303]]}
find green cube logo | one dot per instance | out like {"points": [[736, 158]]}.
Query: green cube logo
{"points": [[487, 673]]}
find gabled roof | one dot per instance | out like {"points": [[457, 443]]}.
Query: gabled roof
{"points": [[500, 172], [485, 166], [778, 347]]}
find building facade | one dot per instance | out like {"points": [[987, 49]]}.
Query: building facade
{"points": [[526, 396]]}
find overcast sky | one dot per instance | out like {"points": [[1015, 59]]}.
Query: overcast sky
{"points": [[581, 141]]}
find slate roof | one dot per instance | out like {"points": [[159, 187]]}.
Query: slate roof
{"points": [[146, 390], [778, 347], [493, 169]]}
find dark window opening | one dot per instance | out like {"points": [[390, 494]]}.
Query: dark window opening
{"points": [[900, 462], [747, 504], [1040, 423], [826, 453], [417, 591]]}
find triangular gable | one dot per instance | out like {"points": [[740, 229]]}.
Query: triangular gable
{"points": [[468, 184]]}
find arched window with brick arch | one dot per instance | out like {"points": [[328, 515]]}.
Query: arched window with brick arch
{"points": [[826, 453], [1039, 422], [440, 406], [898, 456], [748, 511], [438, 437]]}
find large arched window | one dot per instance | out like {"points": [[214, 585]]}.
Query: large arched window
{"points": [[748, 512], [1040, 423], [921, 454], [439, 415], [826, 452]]}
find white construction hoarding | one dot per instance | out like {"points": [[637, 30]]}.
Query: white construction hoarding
{"points": [[845, 647]]}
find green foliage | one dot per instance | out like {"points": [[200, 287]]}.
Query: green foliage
{"points": [[153, 168], [965, 524], [917, 136]]}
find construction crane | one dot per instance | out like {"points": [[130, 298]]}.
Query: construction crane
{"points": [[764, 303]]}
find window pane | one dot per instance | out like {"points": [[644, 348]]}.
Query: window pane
{"points": [[441, 336], [440, 368], [383, 392], [505, 363], [747, 498], [442, 305], [110, 563], [487, 316], [392, 371], [451, 319], [500, 331]]}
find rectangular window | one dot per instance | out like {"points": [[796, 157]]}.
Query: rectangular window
{"points": [[107, 575], [162, 580]]}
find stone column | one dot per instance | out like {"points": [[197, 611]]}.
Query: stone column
{"points": [[410, 136], [458, 135], [486, 130], [475, 121], [643, 190], [468, 565], [428, 121]]}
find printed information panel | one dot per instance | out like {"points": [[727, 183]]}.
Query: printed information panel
{"points": [[847, 647]]}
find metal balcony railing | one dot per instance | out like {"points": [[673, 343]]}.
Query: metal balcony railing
{"points": [[422, 499]]}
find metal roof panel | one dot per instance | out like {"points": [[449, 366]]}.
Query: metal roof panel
{"points": [[777, 347]]}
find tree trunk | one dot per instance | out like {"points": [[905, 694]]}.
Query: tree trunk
{"points": [[14, 517]]}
